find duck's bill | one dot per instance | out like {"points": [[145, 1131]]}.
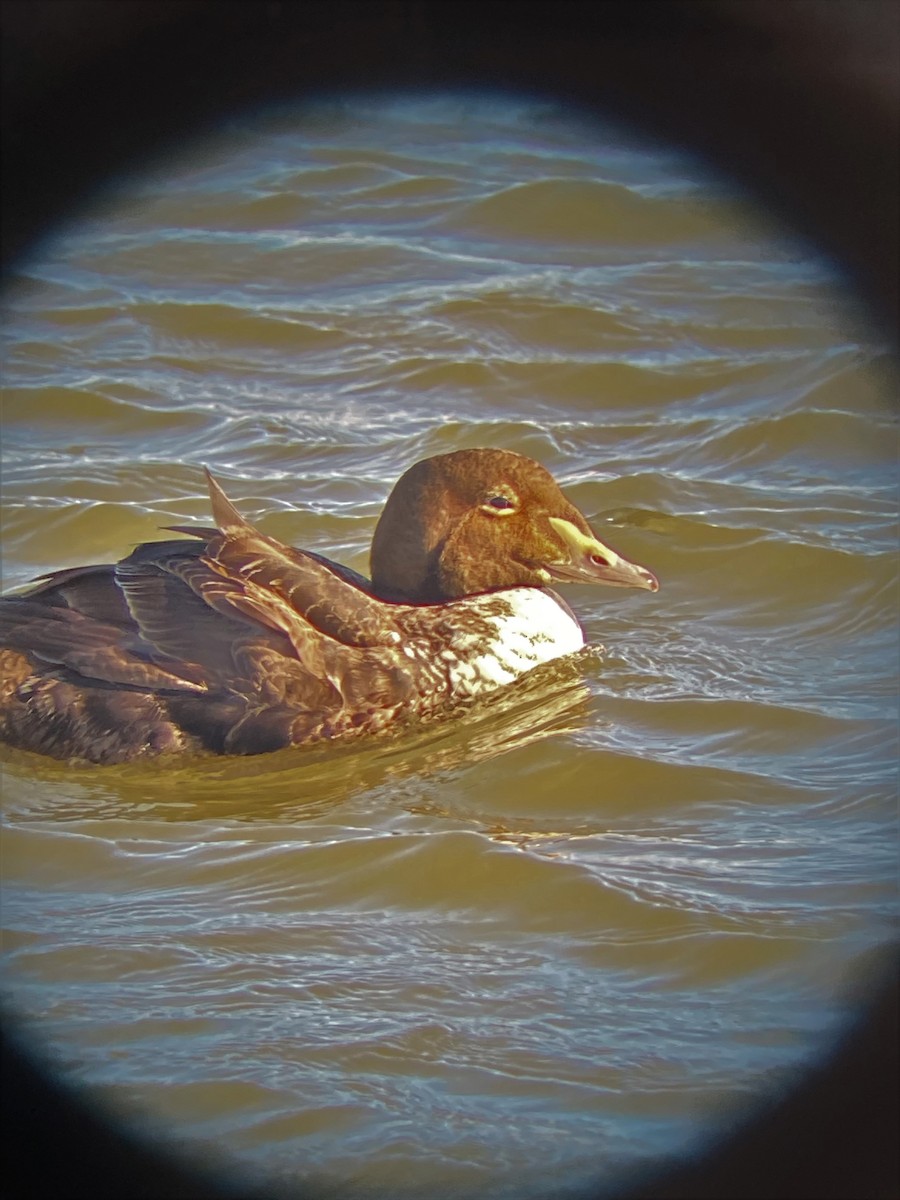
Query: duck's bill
{"points": [[589, 561]]}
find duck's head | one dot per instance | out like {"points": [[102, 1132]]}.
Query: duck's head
{"points": [[477, 520]]}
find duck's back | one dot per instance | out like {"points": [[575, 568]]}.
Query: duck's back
{"points": [[189, 646]]}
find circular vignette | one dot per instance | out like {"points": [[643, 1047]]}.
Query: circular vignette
{"points": [[799, 103]]}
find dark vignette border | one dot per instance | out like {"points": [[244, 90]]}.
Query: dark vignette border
{"points": [[798, 100]]}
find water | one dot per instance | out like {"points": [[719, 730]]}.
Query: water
{"points": [[563, 934]]}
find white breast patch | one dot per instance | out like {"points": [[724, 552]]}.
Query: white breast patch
{"points": [[528, 626]]}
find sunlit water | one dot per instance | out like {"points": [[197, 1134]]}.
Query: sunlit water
{"points": [[563, 934]]}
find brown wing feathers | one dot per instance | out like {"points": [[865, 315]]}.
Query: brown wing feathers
{"points": [[233, 641], [310, 588]]}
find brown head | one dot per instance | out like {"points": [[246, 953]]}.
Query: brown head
{"points": [[477, 520]]}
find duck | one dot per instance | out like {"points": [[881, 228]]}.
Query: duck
{"points": [[227, 641]]}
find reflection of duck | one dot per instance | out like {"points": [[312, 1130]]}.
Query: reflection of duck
{"points": [[237, 644]]}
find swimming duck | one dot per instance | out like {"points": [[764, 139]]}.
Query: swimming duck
{"points": [[228, 641]]}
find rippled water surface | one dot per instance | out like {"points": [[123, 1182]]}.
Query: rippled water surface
{"points": [[561, 934]]}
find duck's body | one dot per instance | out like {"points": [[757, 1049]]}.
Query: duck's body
{"points": [[236, 644]]}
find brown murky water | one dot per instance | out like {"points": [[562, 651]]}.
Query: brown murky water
{"points": [[567, 932]]}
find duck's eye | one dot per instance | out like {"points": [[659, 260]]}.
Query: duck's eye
{"points": [[499, 505]]}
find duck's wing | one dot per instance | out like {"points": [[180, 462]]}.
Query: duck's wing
{"points": [[93, 649], [90, 590], [165, 586], [245, 612], [287, 589], [179, 668], [232, 641], [157, 620]]}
